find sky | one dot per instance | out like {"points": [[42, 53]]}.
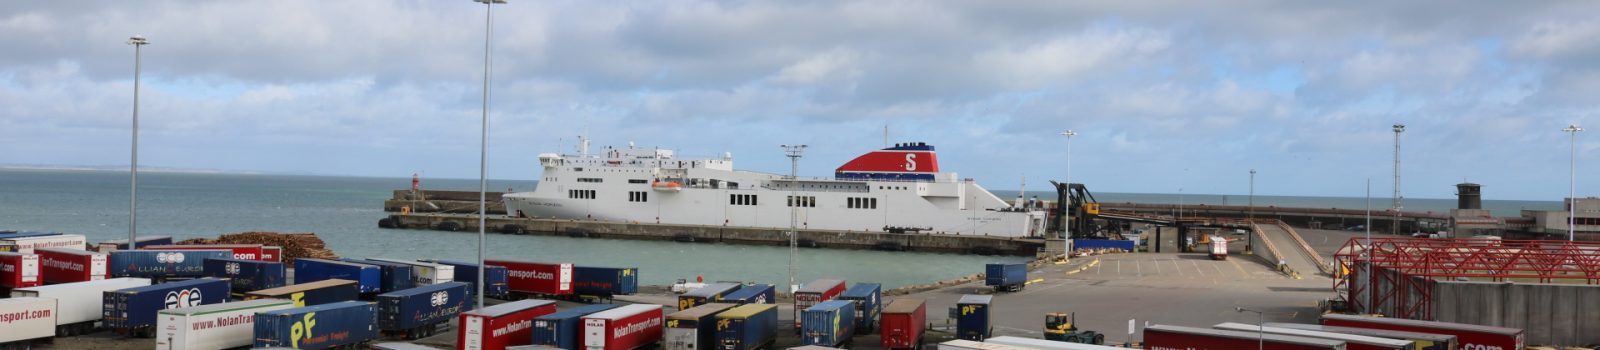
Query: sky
{"points": [[1165, 96]]}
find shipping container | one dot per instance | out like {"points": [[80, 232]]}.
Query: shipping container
{"points": [[1423, 341], [534, 278], [747, 327], [162, 264], [972, 317], [1351, 342], [869, 303], [122, 244], [425, 273], [25, 321], [902, 324], [311, 293], [829, 323], [246, 275], [963, 344], [1190, 338], [419, 312], [499, 326], [133, 311], [693, 329], [216, 326], [711, 293], [813, 347], [623, 328], [318, 326], [1006, 277], [752, 294], [255, 252], [605, 282], [468, 272], [19, 270], [1041, 344], [564, 329], [368, 278], [815, 292], [14, 234], [532, 347], [1468, 335], [28, 244], [63, 265], [78, 304], [392, 276], [272, 253]]}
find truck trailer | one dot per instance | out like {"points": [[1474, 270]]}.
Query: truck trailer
{"points": [[62, 265], [497, 327], [1190, 338], [215, 326], [902, 323], [623, 328], [78, 304]]}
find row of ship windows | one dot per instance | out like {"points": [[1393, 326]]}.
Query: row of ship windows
{"points": [[603, 170]]}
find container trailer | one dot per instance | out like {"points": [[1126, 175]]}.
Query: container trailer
{"points": [[26, 321], [272, 253], [752, 294], [255, 252], [815, 292], [62, 265], [1423, 341], [1006, 277], [711, 293], [972, 317], [1041, 344], [468, 272], [19, 270], [747, 327], [28, 244], [419, 312], [693, 329], [564, 329], [425, 273], [1351, 342], [133, 311], [829, 323], [246, 275], [215, 326], [963, 344], [340, 324], [401, 346], [497, 327], [311, 293], [902, 323], [1219, 248], [813, 347], [1190, 338], [122, 244], [605, 282], [78, 304], [869, 303], [368, 278], [391, 276], [162, 264], [1470, 336], [14, 234], [626, 327], [533, 278]]}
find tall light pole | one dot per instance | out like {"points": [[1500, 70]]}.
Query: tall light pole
{"points": [[1261, 319], [1572, 183], [138, 42], [483, 150], [1251, 220], [794, 153], [1394, 224], [1067, 229]]}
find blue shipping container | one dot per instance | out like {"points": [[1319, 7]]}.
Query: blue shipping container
{"points": [[246, 275], [393, 276], [311, 293], [561, 329], [829, 323], [972, 317], [752, 294], [747, 327], [605, 281], [133, 310], [497, 276], [1005, 276], [317, 327], [25, 234], [161, 264], [407, 312], [122, 244], [711, 293], [368, 277], [869, 303]]}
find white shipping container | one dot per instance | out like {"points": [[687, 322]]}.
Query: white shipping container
{"points": [[961, 344], [1041, 344], [27, 318], [426, 273], [28, 244], [79, 301], [215, 326]]}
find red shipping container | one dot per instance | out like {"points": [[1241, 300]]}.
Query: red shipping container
{"points": [[19, 270], [497, 327], [623, 328], [1469, 336], [817, 291], [240, 251], [536, 278], [901, 324], [1190, 338], [272, 253], [60, 265]]}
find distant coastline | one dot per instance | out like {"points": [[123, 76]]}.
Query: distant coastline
{"points": [[47, 167]]}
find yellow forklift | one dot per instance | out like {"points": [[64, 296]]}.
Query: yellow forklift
{"points": [[1062, 327]]}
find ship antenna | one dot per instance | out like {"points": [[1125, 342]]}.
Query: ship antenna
{"points": [[885, 135]]}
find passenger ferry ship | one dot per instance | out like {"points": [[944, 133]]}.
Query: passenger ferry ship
{"points": [[895, 189]]}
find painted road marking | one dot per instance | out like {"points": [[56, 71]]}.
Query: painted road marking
{"points": [[1235, 264], [1219, 269], [1197, 268]]}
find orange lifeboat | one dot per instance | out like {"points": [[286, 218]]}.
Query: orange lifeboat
{"points": [[673, 186]]}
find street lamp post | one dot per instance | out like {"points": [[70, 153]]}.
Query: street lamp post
{"points": [[1251, 221], [483, 151], [1394, 223], [138, 42], [1572, 183], [1067, 229], [1261, 319], [794, 153]]}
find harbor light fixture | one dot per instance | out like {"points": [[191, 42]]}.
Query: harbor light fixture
{"points": [[483, 151], [794, 152], [1067, 228], [1261, 320], [138, 41], [1572, 182], [1394, 224]]}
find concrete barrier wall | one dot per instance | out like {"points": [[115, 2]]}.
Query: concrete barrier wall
{"points": [[1102, 243], [1550, 313]]}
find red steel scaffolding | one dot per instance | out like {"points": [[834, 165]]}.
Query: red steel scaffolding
{"points": [[1403, 270]]}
